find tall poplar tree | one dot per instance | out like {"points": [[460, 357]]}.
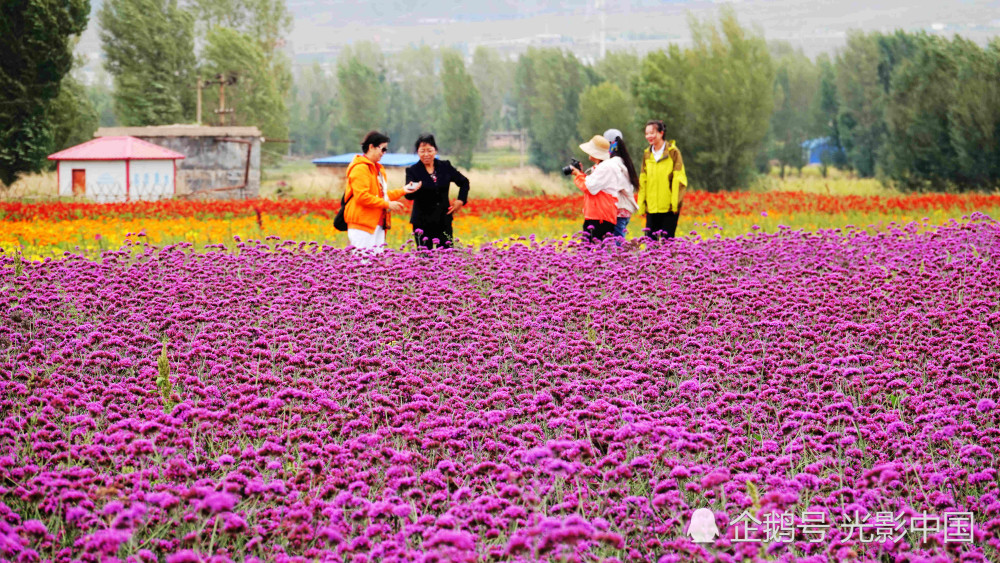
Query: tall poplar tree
{"points": [[462, 119], [149, 50], [35, 39]]}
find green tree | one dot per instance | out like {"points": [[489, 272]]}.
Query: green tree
{"points": [[99, 92], [313, 109], [462, 118], [494, 78], [362, 88], [36, 36], [715, 98], [547, 85], [861, 101], [267, 21], [620, 68], [414, 96], [974, 115], [825, 109], [606, 106], [149, 50], [257, 98], [796, 83], [72, 115], [919, 152]]}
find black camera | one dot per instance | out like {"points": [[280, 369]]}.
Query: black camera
{"points": [[573, 163]]}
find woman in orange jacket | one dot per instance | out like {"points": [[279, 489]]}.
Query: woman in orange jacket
{"points": [[369, 200], [600, 188]]}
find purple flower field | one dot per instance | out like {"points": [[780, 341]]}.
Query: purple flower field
{"points": [[287, 402]]}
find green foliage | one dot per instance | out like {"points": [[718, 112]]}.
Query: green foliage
{"points": [[313, 111], [149, 50], [163, 384], [415, 98], [606, 106], [920, 109], [72, 115], [796, 84], [462, 118], [494, 78], [825, 110], [920, 150], [35, 38], [620, 68], [547, 85], [362, 88], [257, 98], [715, 98], [974, 114], [100, 95], [267, 21], [861, 98]]}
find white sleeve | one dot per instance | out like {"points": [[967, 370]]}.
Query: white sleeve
{"points": [[602, 178]]}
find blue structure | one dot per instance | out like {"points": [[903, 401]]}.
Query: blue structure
{"points": [[388, 159], [815, 149]]}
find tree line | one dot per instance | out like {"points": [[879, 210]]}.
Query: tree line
{"points": [[917, 109]]}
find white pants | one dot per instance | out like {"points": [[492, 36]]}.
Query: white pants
{"points": [[362, 240]]}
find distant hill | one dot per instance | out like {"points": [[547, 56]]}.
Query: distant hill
{"points": [[324, 27]]}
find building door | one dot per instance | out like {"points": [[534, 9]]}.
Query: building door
{"points": [[79, 182]]}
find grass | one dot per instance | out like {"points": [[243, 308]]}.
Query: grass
{"points": [[811, 180], [494, 174], [32, 187], [303, 180]]}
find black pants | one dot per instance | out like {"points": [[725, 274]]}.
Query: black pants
{"points": [[597, 230], [426, 234], [662, 225]]}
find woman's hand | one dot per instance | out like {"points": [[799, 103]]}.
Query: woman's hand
{"points": [[412, 187], [396, 206], [455, 206]]}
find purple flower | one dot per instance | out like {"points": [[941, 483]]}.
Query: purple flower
{"points": [[219, 502]]}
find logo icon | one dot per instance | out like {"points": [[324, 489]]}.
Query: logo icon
{"points": [[702, 528]]}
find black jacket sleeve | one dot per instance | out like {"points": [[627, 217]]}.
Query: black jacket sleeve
{"points": [[462, 182]]}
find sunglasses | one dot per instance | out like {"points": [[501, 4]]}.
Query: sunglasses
{"points": [[384, 149]]}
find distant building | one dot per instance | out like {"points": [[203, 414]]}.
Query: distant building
{"points": [[337, 165], [512, 140], [815, 150], [116, 169], [222, 162]]}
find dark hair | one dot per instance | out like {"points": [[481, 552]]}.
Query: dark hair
{"points": [[373, 138], [425, 139], [658, 123], [619, 149]]}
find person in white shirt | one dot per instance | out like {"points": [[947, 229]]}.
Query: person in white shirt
{"points": [[626, 197]]}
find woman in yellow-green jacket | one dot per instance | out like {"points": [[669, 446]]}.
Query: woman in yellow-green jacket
{"points": [[662, 183]]}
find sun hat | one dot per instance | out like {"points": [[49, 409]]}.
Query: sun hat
{"points": [[612, 134], [597, 147]]}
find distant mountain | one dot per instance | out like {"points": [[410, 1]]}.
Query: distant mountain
{"points": [[324, 27]]}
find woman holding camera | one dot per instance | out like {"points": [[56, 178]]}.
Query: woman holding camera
{"points": [[600, 187], [369, 199], [432, 212]]}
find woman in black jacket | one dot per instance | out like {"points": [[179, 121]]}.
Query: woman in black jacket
{"points": [[432, 212]]}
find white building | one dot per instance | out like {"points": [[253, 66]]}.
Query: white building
{"points": [[114, 169]]}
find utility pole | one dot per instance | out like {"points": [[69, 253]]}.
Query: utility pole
{"points": [[223, 80], [198, 115]]}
